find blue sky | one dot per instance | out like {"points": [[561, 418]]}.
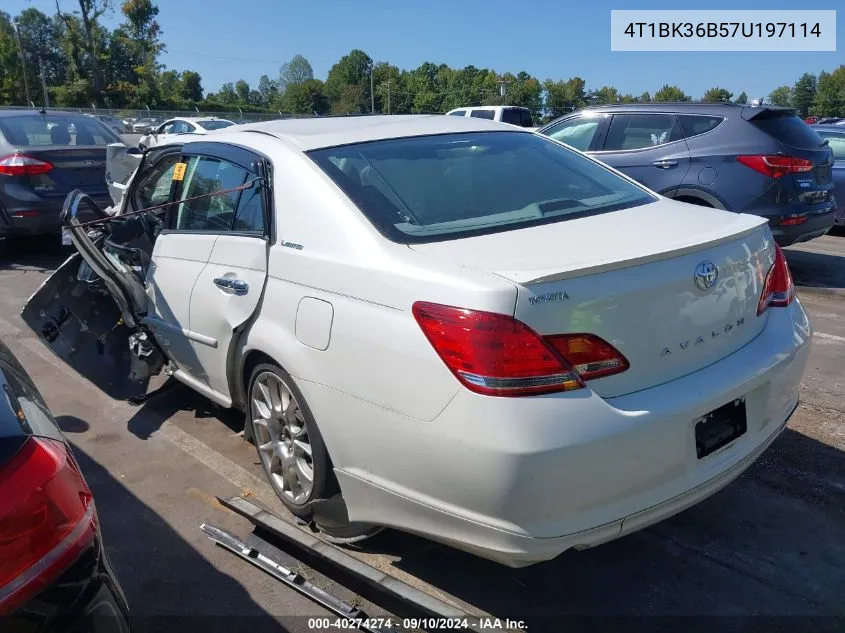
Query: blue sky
{"points": [[227, 41]]}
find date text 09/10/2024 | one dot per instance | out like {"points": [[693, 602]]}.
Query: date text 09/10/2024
{"points": [[412, 624]]}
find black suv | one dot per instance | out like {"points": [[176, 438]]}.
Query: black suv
{"points": [[762, 160]]}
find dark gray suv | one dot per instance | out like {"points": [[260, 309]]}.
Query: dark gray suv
{"points": [[761, 160]]}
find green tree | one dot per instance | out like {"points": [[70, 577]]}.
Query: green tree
{"points": [[781, 96], [297, 71], [564, 96], [645, 97], [804, 93], [348, 83], [717, 95], [308, 97], [671, 94], [268, 91], [242, 92], [11, 76], [628, 98], [190, 86], [40, 37], [89, 13], [742, 99], [605, 94], [830, 95]]}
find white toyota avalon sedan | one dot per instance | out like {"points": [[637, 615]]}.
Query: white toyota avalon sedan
{"points": [[441, 325]]}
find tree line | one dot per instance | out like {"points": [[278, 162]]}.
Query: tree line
{"points": [[83, 63]]}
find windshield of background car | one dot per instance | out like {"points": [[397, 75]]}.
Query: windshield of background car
{"points": [[433, 188], [214, 125], [42, 130]]}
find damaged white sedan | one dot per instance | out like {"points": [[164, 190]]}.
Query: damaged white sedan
{"points": [[439, 325]]}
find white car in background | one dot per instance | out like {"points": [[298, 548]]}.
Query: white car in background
{"points": [[441, 324], [182, 125], [513, 115]]}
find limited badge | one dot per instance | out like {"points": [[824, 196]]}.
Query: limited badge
{"points": [[179, 171]]}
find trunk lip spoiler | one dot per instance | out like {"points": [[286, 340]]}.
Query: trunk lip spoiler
{"points": [[749, 113]]}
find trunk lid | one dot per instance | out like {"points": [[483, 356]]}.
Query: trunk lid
{"points": [[630, 278], [73, 168]]}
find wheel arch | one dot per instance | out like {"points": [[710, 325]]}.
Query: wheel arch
{"points": [[684, 194]]}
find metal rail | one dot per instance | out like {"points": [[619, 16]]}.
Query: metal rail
{"points": [[356, 616]]}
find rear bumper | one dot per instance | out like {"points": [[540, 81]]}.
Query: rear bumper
{"points": [[520, 480], [819, 221], [39, 218]]}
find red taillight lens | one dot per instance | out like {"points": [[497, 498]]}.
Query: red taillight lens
{"points": [[776, 166], [589, 355], [779, 289], [494, 354], [47, 519], [23, 165]]}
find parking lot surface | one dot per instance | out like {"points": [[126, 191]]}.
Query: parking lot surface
{"points": [[770, 544]]}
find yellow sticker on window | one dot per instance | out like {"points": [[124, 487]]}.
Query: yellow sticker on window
{"points": [[179, 171]]}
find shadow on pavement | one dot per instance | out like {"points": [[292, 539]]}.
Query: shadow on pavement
{"points": [[156, 411], [816, 270], [168, 584], [38, 254]]}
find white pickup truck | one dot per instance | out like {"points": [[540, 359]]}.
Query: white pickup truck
{"points": [[515, 115]]}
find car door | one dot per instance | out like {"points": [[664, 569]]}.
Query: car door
{"points": [[210, 264], [648, 147], [836, 140], [581, 131]]}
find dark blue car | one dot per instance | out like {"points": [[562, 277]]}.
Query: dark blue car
{"points": [[835, 137], [762, 160]]}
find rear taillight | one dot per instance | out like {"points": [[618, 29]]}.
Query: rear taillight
{"points": [[47, 518], [776, 166], [779, 289], [494, 354], [23, 165]]}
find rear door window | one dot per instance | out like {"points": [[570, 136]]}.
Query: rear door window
{"points": [[695, 124], [641, 131], [525, 118], [788, 129], [483, 114], [458, 113]]}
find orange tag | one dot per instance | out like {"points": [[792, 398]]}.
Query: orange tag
{"points": [[179, 171]]}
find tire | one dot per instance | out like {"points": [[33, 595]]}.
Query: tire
{"points": [[284, 432]]}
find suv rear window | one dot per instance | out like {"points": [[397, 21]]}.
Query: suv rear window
{"points": [[517, 116], [788, 129], [483, 114], [448, 186], [51, 129]]}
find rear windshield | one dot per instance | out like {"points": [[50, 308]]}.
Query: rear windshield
{"points": [[214, 125], [790, 130], [51, 129], [433, 188]]}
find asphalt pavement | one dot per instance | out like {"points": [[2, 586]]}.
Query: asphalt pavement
{"points": [[770, 544]]}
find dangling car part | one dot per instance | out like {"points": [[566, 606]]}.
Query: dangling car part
{"points": [[89, 312]]}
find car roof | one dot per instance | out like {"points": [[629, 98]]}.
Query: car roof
{"points": [[197, 119], [14, 113], [833, 127], [320, 132], [489, 107], [683, 107]]}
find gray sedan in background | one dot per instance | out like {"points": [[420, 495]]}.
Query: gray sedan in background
{"points": [[834, 134]]}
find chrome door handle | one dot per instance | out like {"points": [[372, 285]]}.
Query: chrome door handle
{"points": [[665, 164], [232, 286]]}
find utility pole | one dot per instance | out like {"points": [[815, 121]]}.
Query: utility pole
{"points": [[44, 84], [23, 62], [372, 93]]}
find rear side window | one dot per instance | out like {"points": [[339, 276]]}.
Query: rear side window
{"points": [[577, 132], [695, 124], [525, 117], [214, 125], [511, 115], [641, 131], [40, 130], [788, 129], [483, 114], [458, 113]]}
